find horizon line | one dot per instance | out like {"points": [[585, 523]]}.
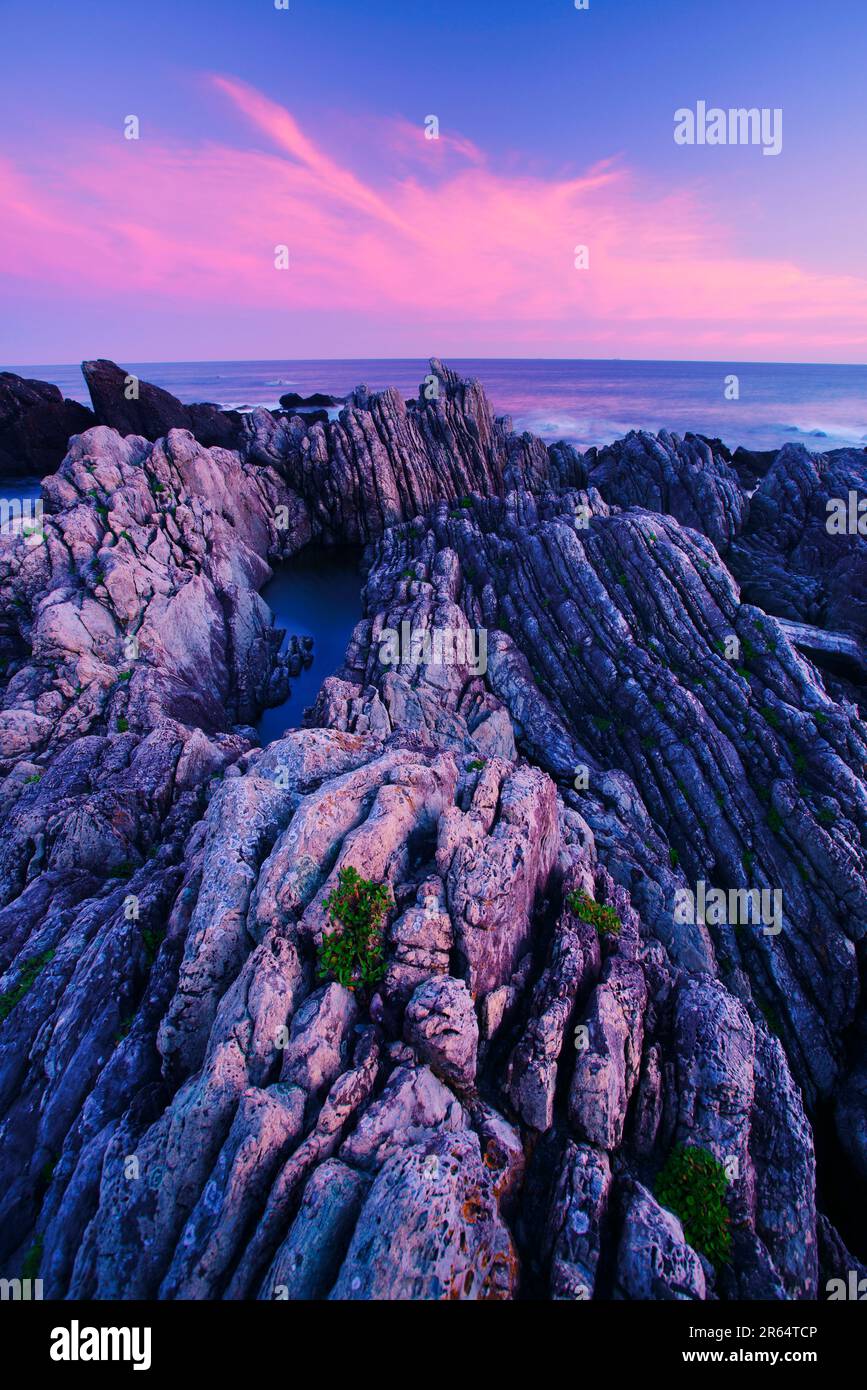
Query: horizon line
{"points": [[444, 358]]}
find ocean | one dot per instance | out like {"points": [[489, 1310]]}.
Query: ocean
{"points": [[585, 402]]}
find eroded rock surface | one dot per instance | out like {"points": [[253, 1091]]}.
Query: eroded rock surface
{"points": [[190, 1110]]}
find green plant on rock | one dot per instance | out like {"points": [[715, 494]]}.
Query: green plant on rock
{"points": [[29, 973], [152, 939], [692, 1184], [353, 951], [771, 716], [32, 1260], [599, 915]]}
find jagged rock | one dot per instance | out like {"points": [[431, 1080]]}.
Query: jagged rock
{"points": [[579, 1203], [422, 939], [413, 1106], [355, 473], [430, 1229], [653, 1258], [781, 1151], [752, 464], [687, 478], [494, 859], [607, 1069], [715, 1047], [836, 1262], [266, 1124], [531, 1077], [788, 560], [441, 1025], [188, 1107], [319, 1044], [308, 1262]]}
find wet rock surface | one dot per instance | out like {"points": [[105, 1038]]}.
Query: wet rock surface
{"points": [[194, 1108]]}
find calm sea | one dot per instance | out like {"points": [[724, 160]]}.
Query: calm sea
{"points": [[583, 401]]}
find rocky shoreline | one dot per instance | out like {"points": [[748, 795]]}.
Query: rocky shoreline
{"points": [[671, 696]]}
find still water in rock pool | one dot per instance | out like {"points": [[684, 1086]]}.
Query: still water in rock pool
{"points": [[316, 594]]}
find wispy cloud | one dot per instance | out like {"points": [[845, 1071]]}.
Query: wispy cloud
{"points": [[439, 236]]}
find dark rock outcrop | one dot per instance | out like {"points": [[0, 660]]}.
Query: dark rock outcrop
{"points": [[132, 406], [292, 400], [788, 560], [36, 424]]}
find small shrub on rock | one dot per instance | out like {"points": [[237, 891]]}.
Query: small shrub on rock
{"points": [[692, 1184], [352, 952], [599, 915]]}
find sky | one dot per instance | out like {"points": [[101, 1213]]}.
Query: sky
{"points": [[305, 128]]}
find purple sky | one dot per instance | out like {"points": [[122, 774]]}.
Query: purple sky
{"points": [[305, 128]]}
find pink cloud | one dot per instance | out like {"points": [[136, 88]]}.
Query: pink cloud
{"points": [[446, 239]]}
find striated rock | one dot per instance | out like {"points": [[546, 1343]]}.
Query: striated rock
{"points": [[531, 1077], [190, 1108], [385, 461], [265, 1126], [788, 561], [686, 478], [308, 1262], [579, 1203]]}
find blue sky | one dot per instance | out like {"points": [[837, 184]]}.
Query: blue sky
{"points": [[544, 91]]}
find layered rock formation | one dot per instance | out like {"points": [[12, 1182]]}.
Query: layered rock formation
{"points": [[190, 1109]]}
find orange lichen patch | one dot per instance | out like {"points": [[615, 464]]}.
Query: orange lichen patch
{"points": [[494, 1156], [473, 1208], [501, 1278]]}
